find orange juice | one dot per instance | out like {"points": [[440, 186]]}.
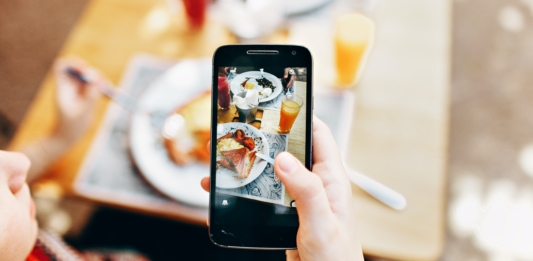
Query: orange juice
{"points": [[353, 37], [290, 108]]}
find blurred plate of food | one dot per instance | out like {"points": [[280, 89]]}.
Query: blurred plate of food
{"points": [[268, 85], [174, 160], [237, 163]]}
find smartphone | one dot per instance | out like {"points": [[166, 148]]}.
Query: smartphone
{"points": [[262, 105]]}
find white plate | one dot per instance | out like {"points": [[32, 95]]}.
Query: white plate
{"points": [[178, 85], [228, 179], [295, 7], [236, 87]]}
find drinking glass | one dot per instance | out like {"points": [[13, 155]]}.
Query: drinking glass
{"points": [[290, 108], [223, 93], [195, 11], [353, 37], [246, 112]]}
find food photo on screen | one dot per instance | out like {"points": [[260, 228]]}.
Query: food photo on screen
{"points": [[261, 113]]}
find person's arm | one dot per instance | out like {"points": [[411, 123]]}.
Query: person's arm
{"points": [[328, 230], [224, 70], [42, 153], [75, 104], [289, 74]]}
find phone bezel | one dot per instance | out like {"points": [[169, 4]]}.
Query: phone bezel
{"points": [[275, 236]]}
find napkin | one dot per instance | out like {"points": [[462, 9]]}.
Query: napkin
{"points": [[251, 97]]}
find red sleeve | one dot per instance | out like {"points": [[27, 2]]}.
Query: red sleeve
{"points": [[37, 254]]}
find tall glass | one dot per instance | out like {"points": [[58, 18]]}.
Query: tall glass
{"points": [[223, 93], [353, 37], [290, 108], [195, 11]]}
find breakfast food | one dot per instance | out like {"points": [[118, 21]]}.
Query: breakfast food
{"points": [[265, 93], [235, 151], [186, 132], [262, 84], [243, 84], [265, 83], [249, 86]]}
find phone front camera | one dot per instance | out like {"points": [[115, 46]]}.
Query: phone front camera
{"points": [[293, 52]]}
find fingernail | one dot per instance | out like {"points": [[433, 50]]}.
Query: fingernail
{"points": [[287, 163]]}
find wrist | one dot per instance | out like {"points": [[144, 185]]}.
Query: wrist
{"points": [[42, 153], [58, 141], [64, 134]]}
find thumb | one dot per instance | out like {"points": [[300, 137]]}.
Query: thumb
{"points": [[305, 187]]}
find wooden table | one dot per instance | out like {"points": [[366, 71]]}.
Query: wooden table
{"points": [[400, 131], [399, 136], [107, 35]]}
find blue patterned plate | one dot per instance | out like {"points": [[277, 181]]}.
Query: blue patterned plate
{"points": [[229, 179]]}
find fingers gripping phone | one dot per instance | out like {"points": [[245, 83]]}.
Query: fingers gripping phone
{"points": [[261, 106]]}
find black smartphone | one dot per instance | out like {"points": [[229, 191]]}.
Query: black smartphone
{"points": [[262, 105]]}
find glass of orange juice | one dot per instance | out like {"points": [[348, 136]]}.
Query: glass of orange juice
{"points": [[290, 108], [353, 37]]}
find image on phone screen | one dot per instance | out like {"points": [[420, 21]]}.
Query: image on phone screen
{"points": [[261, 113]]}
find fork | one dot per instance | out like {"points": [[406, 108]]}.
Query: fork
{"points": [[126, 101]]}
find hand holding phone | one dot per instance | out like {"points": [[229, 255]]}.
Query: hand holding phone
{"points": [[261, 106], [324, 200]]}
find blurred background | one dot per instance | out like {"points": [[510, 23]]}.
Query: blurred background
{"points": [[440, 112]]}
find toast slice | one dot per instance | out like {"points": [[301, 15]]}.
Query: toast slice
{"points": [[248, 164], [235, 157], [188, 145], [241, 161], [225, 163]]}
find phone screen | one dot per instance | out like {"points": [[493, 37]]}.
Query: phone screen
{"points": [[262, 110]]}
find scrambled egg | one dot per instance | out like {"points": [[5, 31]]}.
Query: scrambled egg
{"points": [[249, 86], [227, 144]]}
